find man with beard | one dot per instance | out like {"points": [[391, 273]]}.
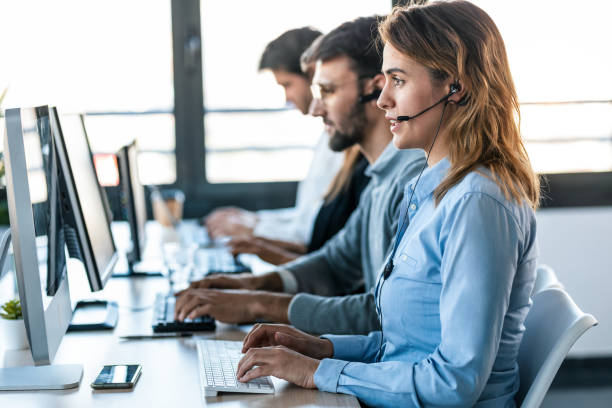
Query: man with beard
{"points": [[318, 292]]}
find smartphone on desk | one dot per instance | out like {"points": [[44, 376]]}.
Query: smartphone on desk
{"points": [[117, 377]]}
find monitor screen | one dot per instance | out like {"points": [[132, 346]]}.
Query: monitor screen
{"points": [[37, 229], [134, 197], [80, 175], [41, 165], [138, 192]]}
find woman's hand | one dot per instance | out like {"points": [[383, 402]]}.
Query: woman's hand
{"points": [[266, 335], [280, 362]]}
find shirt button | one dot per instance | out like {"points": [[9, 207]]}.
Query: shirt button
{"points": [[413, 207]]}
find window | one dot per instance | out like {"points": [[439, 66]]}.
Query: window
{"points": [[101, 58], [558, 52], [246, 125]]}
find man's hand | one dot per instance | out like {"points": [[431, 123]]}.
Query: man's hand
{"points": [[280, 362], [266, 250], [267, 335], [226, 281], [230, 221], [270, 281], [232, 306]]}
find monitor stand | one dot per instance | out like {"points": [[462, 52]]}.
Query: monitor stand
{"points": [[27, 378], [138, 270], [51, 377]]}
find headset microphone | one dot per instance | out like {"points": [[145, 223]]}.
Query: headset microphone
{"points": [[404, 220], [454, 88], [369, 97]]}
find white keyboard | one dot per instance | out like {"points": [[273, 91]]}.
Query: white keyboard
{"points": [[218, 360]]}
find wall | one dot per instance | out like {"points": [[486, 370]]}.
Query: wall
{"points": [[577, 244]]}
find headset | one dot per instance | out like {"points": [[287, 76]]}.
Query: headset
{"points": [[369, 97], [404, 218], [454, 88]]}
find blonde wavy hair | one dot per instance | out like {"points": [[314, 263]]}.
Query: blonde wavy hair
{"points": [[456, 39]]}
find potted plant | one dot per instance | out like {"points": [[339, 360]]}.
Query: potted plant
{"points": [[12, 328]]}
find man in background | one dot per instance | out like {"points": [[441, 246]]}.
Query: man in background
{"points": [[282, 57], [311, 292]]}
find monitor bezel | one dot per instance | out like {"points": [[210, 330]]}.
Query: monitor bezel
{"points": [[126, 167], [44, 327], [97, 279]]}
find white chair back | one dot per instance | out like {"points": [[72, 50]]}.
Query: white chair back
{"points": [[552, 326], [545, 279]]}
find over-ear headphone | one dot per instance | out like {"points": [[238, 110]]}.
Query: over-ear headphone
{"points": [[369, 97]]}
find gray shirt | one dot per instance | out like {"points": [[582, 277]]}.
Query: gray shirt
{"points": [[353, 257]]}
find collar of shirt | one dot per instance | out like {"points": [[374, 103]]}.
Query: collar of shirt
{"points": [[389, 159], [430, 179]]}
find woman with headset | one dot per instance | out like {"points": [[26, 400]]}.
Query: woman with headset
{"points": [[455, 291]]}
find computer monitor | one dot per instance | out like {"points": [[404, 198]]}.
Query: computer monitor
{"points": [[37, 232], [88, 215], [133, 198], [133, 202]]}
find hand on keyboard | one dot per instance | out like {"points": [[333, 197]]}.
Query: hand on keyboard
{"points": [[263, 248], [221, 281], [280, 362], [265, 335], [230, 306], [230, 221], [218, 364]]}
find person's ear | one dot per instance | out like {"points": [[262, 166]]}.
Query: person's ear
{"points": [[459, 93], [378, 81], [375, 83]]}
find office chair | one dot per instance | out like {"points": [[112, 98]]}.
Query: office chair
{"points": [[552, 326], [546, 278]]}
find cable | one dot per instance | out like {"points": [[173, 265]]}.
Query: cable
{"points": [[405, 222]]}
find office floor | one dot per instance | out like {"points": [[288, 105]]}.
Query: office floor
{"points": [[595, 397], [582, 382]]}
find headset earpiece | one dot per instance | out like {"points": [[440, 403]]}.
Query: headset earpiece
{"points": [[369, 97], [454, 88]]}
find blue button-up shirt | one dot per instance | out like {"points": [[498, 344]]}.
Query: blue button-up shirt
{"points": [[453, 308]]}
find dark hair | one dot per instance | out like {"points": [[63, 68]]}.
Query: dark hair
{"points": [[308, 57], [283, 53], [357, 40]]}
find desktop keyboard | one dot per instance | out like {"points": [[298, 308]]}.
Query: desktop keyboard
{"points": [[192, 233], [216, 260], [163, 317], [218, 360]]}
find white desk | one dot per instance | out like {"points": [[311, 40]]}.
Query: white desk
{"points": [[169, 366], [170, 375]]}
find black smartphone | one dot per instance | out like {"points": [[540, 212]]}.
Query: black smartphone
{"points": [[117, 376]]}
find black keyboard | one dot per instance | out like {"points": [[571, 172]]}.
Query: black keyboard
{"points": [[163, 318]]}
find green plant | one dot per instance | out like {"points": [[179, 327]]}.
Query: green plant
{"points": [[11, 310]]}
